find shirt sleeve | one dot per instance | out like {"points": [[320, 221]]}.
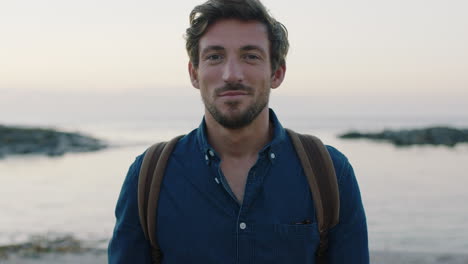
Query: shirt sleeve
{"points": [[128, 243], [348, 242]]}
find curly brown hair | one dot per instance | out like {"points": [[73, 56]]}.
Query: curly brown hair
{"points": [[204, 15]]}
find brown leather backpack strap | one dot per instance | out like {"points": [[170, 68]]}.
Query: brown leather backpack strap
{"points": [[149, 185], [320, 172], [144, 181]]}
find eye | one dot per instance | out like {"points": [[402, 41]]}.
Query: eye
{"points": [[214, 57], [252, 57]]}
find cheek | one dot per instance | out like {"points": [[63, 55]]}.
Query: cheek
{"points": [[259, 78], [208, 77]]}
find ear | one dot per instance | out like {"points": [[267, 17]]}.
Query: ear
{"points": [[193, 75], [278, 76]]}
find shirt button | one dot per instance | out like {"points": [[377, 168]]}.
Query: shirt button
{"points": [[211, 153], [272, 155], [243, 226]]}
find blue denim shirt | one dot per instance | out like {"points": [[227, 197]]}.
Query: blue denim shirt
{"points": [[199, 219]]}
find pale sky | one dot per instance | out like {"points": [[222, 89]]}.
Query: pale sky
{"points": [[359, 47]]}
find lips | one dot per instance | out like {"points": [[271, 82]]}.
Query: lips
{"points": [[233, 93]]}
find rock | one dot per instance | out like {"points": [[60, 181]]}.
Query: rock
{"points": [[40, 244], [426, 136], [21, 140]]}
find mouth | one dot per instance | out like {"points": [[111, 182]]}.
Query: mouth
{"points": [[233, 93]]}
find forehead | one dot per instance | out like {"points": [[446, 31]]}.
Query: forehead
{"points": [[232, 33]]}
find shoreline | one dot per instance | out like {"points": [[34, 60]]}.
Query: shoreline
{"points": [[99, 256], [60, 248]]}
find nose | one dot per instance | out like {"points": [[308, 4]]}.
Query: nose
{"points": [[233, 72]]}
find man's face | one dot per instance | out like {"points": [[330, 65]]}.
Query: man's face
{"points": [[234, 72]]}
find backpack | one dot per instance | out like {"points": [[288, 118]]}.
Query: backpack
{"points": [[316, 163]]}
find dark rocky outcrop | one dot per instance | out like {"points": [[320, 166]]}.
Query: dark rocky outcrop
{"points": [[22, 140], [447, 136]]}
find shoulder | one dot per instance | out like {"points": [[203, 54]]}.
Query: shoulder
{"points": [[340, 162], [137, 162], [336, 155], [131, 180], [136, 165]]}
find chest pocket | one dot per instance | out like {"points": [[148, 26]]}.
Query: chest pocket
{"points": [[286, 243]]}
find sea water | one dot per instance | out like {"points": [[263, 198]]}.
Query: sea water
{"points": [[415, 197]]}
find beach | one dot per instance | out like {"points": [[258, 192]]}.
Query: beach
{"points": [[70, 250], [376, 257]]}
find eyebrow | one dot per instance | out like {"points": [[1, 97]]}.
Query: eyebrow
{"points": [[253, 47], [244, 48], [212, 48]]}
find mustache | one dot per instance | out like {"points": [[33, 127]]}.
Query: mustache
{"points": [[234, 87]]}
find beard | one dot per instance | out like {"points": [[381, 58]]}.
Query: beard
{"points": [[243, 118]]}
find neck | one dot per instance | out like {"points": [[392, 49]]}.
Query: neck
{"points": [[241, 142]]}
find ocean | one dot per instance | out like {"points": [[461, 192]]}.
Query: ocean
{"points": [[415, 197]]}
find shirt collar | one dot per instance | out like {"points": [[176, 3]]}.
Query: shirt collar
{"points": [[271, 148]]}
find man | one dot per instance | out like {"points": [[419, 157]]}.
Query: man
{"points": [[234, 190]]}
